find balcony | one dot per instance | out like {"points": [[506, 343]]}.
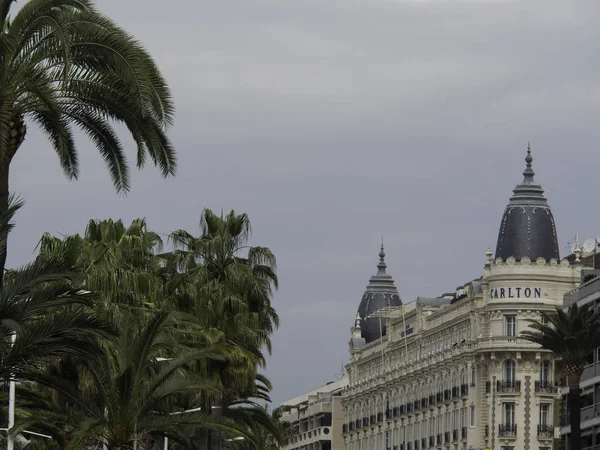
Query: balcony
{"points": [[545, 387], [454, 435], [508, 387], [587, 413], [463, 433], [464, 390], [447, 437], [509, 430], [546, 431], [591, 371], [583, 291]]}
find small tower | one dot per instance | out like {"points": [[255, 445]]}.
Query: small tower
{"points": [[381, 292], [527, 227]]}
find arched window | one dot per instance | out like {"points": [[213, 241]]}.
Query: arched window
{"points": [[473, 374], [509, 370], [545, 371]]}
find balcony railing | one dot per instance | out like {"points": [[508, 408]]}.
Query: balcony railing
{"points": [[545, 430], [508, 386], [508, 430], [463, 433], [544, 386], [581, 292], [591, 371]]}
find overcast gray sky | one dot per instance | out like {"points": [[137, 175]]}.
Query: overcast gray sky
{"points": [[335, 122]]}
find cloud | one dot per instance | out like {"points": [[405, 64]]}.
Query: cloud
{"points": [[335, 122]]}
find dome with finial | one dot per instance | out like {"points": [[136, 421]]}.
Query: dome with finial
{"points": [[381, 292], [527, 227]]}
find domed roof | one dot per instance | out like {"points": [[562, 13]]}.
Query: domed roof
{"points": [[381, 292], [527, 227]]}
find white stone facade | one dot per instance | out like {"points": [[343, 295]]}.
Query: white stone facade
{"points": [[462, 378]]}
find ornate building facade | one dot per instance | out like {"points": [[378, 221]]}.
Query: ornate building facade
{"points": [[452, 372]]}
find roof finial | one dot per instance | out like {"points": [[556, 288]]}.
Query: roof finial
{"points": [[382, 265], [528, 173]]}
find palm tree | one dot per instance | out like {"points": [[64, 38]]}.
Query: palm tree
{"points": [[572, 336], [64, 64], [41, 307], [132, 392]]}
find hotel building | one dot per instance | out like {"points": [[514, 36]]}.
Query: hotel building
{"points": [[451, 372]]}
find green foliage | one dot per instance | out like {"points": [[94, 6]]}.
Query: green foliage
{"points": [[191, 329], [570, 335], [64, 64]]}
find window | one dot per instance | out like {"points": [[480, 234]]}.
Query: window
{"points": [[472, 415], [504, 447], [508, 411], [387, 439], [545, 367], [544, 320], [544, 414], [509, 370], [473, 375], [510, 325]]}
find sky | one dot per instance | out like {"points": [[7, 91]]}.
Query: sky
{"points": [[334, 123]]}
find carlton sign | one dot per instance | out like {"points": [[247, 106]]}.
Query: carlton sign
{"points": [[518, 292]]}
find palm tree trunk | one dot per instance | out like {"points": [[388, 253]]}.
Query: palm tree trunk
{"points": [[574, 405], [4, 194]]}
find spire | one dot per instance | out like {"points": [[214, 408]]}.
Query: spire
{"points": [[382, 265], [528, 173]]}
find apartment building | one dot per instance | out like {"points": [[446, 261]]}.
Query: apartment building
{"points": [[316, 418]]}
